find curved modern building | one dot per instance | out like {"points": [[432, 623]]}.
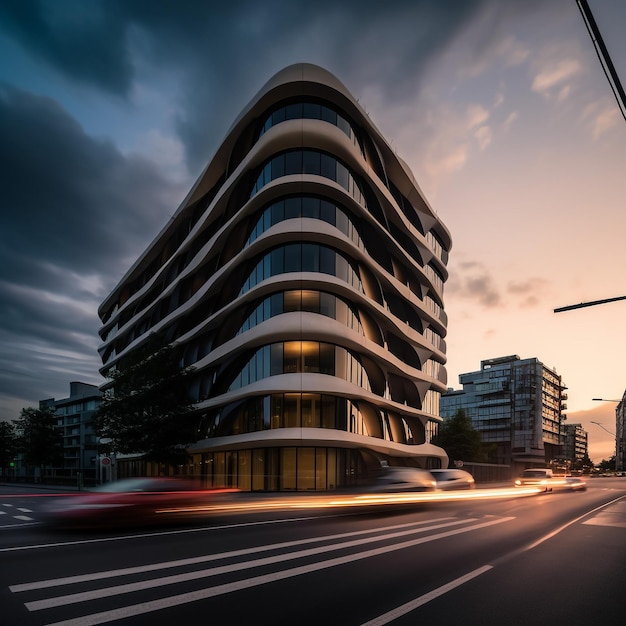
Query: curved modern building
{"points": [[303, 279]]}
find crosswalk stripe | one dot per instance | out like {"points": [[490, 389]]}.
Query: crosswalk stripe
{"points": [[226, 569], [193, 596], [151, 567]]}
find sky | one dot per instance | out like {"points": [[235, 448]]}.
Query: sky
{"points": [[110, 110]]}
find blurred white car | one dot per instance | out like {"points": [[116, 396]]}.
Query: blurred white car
{"points": [[448, 479], [393, 479], [538, 477]]}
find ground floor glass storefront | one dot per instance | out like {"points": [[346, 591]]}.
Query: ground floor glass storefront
{"points": [[289, 468], [286, 469]]}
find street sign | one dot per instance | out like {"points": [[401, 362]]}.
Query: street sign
{"points": [[106, 460]]}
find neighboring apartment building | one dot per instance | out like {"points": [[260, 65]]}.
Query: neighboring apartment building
{"points": [[302, 277], [80, 448], [517, 405], [575, 442]]}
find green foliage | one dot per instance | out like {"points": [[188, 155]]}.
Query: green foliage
{"points": [[8, 444], [606, 465], [584, 465], [147, 410], [460, 440], [38, 437]]}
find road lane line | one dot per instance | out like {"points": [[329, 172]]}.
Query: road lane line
{"points": [[394, 614], [64, 544], [127, 571], [210, 592], [566, 525], [23, 517], [225, 569]]}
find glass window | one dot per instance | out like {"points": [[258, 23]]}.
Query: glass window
{"points": [[277, 260], [328, 167], [328, 211], [294, 111], [278, 212], [294, 162], [310, 207], [327, 262], [310, 257], [276, 359], [288, 469], [290, 410], [327, 359], [293, 207], [328, 115], [278, 167], [311, 162], [312, 111], [279, 115], [292, 258], [291, 358], [306, 469]]}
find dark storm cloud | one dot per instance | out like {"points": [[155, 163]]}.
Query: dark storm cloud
{"points": [[77, 37], [222, 53], [67, 197], [75, 214]]}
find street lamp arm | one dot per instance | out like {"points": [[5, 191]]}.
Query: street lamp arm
{"points": [[603, 428], [585, 304]]}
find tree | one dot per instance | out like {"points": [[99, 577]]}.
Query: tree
{"points": [[460, 440], [606, 465], [8, 445], [38, 437], [147, 409], [584, 465]]}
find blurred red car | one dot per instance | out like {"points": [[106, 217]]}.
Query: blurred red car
{"points": [[134, 501]]}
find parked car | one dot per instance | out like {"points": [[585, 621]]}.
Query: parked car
{"points": [[535, 478], [449, 479], [395, 479], [133, 501]]}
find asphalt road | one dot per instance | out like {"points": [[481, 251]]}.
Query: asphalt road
{"points": [[554, 558]]}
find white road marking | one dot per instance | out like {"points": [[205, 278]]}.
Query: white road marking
{"points": [[568, 524], [63, 544], [216, 571], [394, 614], [127, 571], [176, 600], [614, 515]]}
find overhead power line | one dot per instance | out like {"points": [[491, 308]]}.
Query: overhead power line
{"points": [[603, 55]]}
